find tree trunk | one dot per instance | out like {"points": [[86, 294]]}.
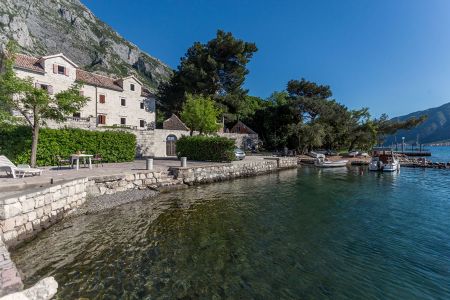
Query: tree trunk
{"points": [[34, 143]]}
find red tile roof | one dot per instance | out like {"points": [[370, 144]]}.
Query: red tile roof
{"points": [[28, 63], [97, 80], [32, 63]]}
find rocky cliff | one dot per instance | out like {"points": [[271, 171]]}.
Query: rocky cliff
{"points": [[43, 27]]}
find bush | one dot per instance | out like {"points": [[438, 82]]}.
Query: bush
{"points": [[209, 148], [112, 146]]}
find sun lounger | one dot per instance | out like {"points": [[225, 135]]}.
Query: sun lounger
{"points": [[17, 171]]}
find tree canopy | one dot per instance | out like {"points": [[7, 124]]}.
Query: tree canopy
{"points": [[200, 114], [216, 69], [304, 117]]}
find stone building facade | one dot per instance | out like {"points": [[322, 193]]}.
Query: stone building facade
{"points": [[114, 104], [123, 102]]}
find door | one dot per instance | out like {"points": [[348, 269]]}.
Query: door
{"points": [[171, 145]]}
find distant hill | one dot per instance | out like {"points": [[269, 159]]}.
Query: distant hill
{"points": [[436, 128], [43, 27]]}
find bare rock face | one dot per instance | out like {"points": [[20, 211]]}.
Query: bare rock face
{"points": [[43, 27]]}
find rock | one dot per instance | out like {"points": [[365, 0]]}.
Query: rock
{"points": [[49, 27], [43, 290]]}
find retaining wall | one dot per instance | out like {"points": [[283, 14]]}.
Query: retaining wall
{"points": [[221, 172]]}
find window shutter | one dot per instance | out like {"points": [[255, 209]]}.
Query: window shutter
{"points": [[50, 89], [37, 85], [55, 69], [104, 119], [81, 93], [66, 71]]}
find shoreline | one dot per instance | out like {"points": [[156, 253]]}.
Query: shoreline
{"points": [[24, 216]]}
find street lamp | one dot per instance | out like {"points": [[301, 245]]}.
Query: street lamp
{"points": [[403, 144]]}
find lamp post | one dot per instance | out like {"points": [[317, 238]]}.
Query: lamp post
{"points": [[403, 144]]}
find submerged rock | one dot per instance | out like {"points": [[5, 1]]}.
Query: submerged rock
{"points": [[43, 290]]}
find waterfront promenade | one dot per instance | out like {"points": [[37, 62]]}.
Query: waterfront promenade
{"points": [[9, 185]]}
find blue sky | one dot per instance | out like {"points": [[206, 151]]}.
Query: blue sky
{"points": [[392, 56]]}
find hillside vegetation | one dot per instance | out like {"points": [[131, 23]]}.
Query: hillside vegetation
{"points": [[435, 128]]}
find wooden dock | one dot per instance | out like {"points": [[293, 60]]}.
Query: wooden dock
{"points": [[414, 153]]}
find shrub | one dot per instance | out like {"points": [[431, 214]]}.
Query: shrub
{"points": [[209, 148], [112, 146]]}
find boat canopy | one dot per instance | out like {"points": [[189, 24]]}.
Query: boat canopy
{"points": [[382, 151]]}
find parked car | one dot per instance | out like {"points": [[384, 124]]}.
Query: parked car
{"points": [[353, 153], [240, 155]]}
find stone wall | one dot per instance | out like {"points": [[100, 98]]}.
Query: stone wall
{"points": [[10, 280], [23, 216], [221, 172]]}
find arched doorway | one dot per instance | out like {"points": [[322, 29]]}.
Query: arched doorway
{"points": [[171, 145]]}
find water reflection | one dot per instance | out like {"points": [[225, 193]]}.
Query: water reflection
{"points": [[306, 233]]}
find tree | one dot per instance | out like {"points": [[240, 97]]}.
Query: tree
{"points": [[216, 69], [33, 103], [200, 114]]}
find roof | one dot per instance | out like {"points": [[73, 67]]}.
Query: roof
{"points": [[240, 127], [174, 123], [59, 55], [98, 80], [28, 63]]}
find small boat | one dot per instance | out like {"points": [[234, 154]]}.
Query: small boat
{"points": [[384, 160], [323, 162]]}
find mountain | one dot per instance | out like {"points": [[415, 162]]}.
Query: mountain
{"points": [[436, 128], [43, 27]]}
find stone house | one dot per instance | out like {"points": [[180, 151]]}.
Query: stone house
{"points": [[114, 103], [123, 102]]}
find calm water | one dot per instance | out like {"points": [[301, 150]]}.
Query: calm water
{"points": [[440, 153], [300, 234]]}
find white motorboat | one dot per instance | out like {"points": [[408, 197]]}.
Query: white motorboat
{"points": [[323, 162], [384, 160]]}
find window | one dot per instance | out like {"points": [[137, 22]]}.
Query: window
{"points": [[141, 123], [123, 121], [123, 102], [102, 99], [101, 119], [61, 70], [77, 115], [57, 69], [132, 87], [142, 105]]}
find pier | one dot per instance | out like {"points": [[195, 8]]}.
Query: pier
{"points": [[414, 153]]}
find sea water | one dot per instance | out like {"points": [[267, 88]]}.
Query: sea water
{"points": [[298, 234]]}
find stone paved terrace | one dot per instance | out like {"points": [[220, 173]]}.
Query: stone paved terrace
{"points": [[10, 186]]}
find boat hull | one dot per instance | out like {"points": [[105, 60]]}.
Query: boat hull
{"points": [[385, 168], [336, 164]]}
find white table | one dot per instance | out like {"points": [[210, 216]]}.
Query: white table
{"points": [[76, 158]]}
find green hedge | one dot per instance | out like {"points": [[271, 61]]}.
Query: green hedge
{"points": [[113, 146], [208, 148]]}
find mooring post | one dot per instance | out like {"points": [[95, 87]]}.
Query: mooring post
{"points": [[149, 164], [183, 162]]}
